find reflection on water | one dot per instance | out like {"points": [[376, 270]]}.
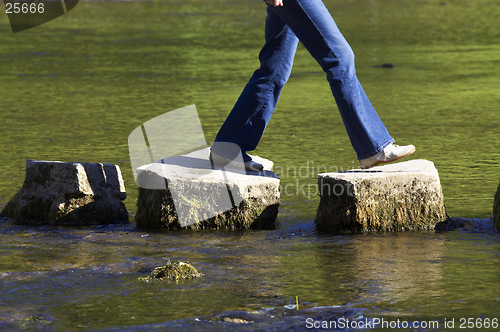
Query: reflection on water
{"points": [[399, 266], [89, 277]]}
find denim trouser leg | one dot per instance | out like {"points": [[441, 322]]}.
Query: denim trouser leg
{"points": [[250, 115], [312, 24]]}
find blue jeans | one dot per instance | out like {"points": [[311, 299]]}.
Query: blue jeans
{"points": [[309, 22]]}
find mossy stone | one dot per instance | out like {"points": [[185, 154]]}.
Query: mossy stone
{"points": [[173, 272]]}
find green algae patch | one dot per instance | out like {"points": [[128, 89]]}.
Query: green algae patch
{"points": [[173, 272]]}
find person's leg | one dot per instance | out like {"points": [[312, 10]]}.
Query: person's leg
{"points": [[314, 26], [250, 115]]}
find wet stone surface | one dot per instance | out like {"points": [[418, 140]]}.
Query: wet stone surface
{"points": [[173, 272]]}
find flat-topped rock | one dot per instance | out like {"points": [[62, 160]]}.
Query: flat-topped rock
{"points": [[401, 196], [186, 191], [65, 193], [496, 209]]}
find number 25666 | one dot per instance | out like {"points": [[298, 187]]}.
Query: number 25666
{"points": [[24, 8]]}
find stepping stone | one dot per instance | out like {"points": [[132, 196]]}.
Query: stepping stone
{"points": [[187, 192], [395, 197], [496, 209], [60, 193]]}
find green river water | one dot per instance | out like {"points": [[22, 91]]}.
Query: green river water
{"points": [[73, 89]]}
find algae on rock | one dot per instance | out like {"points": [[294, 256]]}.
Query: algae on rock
{"points": [[173, 271], [402, 196], [188, 192]]}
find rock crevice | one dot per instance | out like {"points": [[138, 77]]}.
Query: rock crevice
{"points": [[60, 193]]}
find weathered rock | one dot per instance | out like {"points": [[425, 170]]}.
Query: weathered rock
{"points": [[185, 191], [496, 209], [394, 197], [173, 272], [59, 193]]}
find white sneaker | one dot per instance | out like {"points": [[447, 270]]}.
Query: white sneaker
{"points": [[391, 152]]}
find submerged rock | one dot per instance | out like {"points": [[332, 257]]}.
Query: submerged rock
{"points": [[59, 193], [496, 209], [474, 225], [308, 318], [450, 224], [385, 65], [331, 318], [186, 191], [402, 196], [173, 271], [13, 318]]}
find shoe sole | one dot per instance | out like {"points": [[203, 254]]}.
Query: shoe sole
{"points": [[247, 168], [378, 162]]}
